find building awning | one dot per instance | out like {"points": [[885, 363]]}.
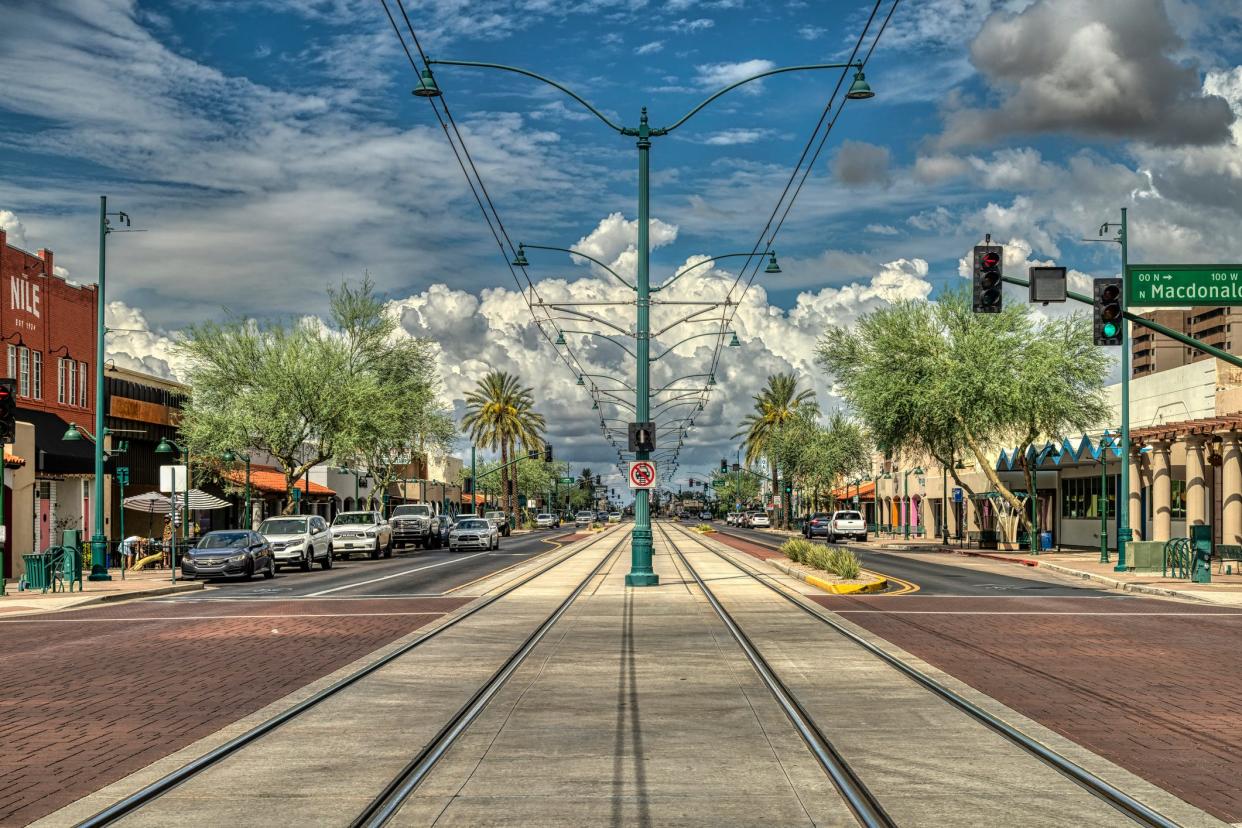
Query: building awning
{"points": [[54, 454], [478, 499], [269, 480], [865, 492]]}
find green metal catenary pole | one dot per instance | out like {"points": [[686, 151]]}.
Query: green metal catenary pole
{"points": [[641, 572], [1103, 501], [99, 541]]}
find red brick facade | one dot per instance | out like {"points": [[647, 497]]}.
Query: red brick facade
{"points": [[47, 335]]}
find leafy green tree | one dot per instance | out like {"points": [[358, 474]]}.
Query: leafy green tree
{"points": [[937, 379], [500, 415], [775, 405], [298, 391], [736, 487]]}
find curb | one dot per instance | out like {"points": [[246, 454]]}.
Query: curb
{"points": [[1113, 583], [116, 597], [877, 585]]}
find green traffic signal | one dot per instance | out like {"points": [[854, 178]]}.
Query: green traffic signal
{"points": [[1110, 330]]}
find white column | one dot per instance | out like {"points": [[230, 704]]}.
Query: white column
{"points": [[1196, 483], [1135, 516], [1161, 492], [1231, 489]]}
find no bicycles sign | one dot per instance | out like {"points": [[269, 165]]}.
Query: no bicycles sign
{"points": [[642, 474]]}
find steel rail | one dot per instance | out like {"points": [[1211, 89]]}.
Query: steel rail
{"points": [[858, 797], [1103, 790], [149, 793], [386, 804]]}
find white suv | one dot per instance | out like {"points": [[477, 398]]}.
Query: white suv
{"points": [[300, 540], [758, 520], [361, 532]]}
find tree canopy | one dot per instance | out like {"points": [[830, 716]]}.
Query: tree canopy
{"points": [[934, 378], [304, 392]]}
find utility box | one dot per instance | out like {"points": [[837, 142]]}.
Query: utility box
{"points": [[1201, 554]]}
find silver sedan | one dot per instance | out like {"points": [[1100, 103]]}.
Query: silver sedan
{"points": [[474, 533]]}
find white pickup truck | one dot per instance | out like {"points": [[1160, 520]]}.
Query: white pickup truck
{"points": [[847, 524]]}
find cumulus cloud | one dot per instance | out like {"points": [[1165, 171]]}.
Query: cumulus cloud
{"points": [[716, 75], [14, 228], [614, 241], [859, 164], [733, 137], [133, 344], [1103, 69], [650, 48]]}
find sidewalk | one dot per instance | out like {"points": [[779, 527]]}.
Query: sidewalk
{"points": [[142, 584], [1224, 589]]}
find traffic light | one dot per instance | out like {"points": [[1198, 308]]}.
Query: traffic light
{"points": [[467, 485], [724, 466], [8, 410], [692, 482], [788, 487], [1107, 322], [547, 452], [532, 454], [597, 480], [989, 268]]}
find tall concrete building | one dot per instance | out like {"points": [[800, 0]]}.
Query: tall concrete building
{"points": [[1153, 352]]}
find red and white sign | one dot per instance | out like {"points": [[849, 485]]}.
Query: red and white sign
{"points": [[642, 474]]}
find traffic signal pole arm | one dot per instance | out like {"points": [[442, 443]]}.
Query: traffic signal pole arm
{"points": [[527, 456], [1232, 359]]}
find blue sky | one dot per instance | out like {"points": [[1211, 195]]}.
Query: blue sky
{"points": [[271, 148]]}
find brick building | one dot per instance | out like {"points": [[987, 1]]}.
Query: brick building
{"points": [[48, 334]]}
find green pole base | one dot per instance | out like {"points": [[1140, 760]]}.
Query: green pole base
{"points": [[99, 572], [639, 579]]}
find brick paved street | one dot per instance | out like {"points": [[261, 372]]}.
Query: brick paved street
{"points": [[100, 693]]}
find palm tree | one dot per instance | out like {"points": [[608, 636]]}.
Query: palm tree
{"points": [[775, 405], [500, 415]]}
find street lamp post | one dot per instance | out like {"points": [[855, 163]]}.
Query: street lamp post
{"points": [[641, 572], [232, 457], [1106, 442]]}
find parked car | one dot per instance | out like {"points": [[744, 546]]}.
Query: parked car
{"points": [[299, 540], [758, 520], [545, 521], [847, 524], [474, 533], [361, 532], [614, 517], [441, 525], [584, 518], [731, 518], [816, 525], [601, 516], [229, 552], [411, 524], [501, 520], [705, 515]]}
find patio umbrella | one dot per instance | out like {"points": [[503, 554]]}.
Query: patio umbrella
{"points": [[158, 503]]}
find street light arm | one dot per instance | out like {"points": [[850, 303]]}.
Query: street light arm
{"points": [[681, 273], [614, 273], [687, 339], [608, 337], [529, 74], [692, 317], [614, 379], [593, 318], [778, 71]]}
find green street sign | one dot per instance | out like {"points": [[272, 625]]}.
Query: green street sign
{"points": [[1149, 286], [566, 481]]}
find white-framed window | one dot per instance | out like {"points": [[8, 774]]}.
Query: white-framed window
{"points": [[12, 361], [82, 398], [60, 380], [71, 380], [38, 375], [23, 377]]}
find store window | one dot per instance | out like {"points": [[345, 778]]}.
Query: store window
{"points": [[82, 398], [1179, 500], [23, 377]]}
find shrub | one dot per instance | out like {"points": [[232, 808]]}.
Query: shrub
{"points": [[798, 550], [819, 557], [704, 527], [843, 562]]}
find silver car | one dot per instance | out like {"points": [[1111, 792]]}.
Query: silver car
{"points": [[299, 540], [361, 532], [474, 533]]}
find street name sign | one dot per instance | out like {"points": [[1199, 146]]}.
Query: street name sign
{"points": [[1152, 286], [566, 481], [957, 495], [642, 474]]}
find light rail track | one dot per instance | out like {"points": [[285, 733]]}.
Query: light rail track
{"points": [[399, 789], [857, 796], [149, 793], [1100, 788]]}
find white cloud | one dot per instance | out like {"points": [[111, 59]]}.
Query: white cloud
{"points": [[811, 32], [650, 48], [134, 345], [881, 229], [14, 228], [614, 242], [715, 75], [734, 137]]}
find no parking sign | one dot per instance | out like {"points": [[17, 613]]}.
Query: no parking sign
{"points": [[642, 474]]}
